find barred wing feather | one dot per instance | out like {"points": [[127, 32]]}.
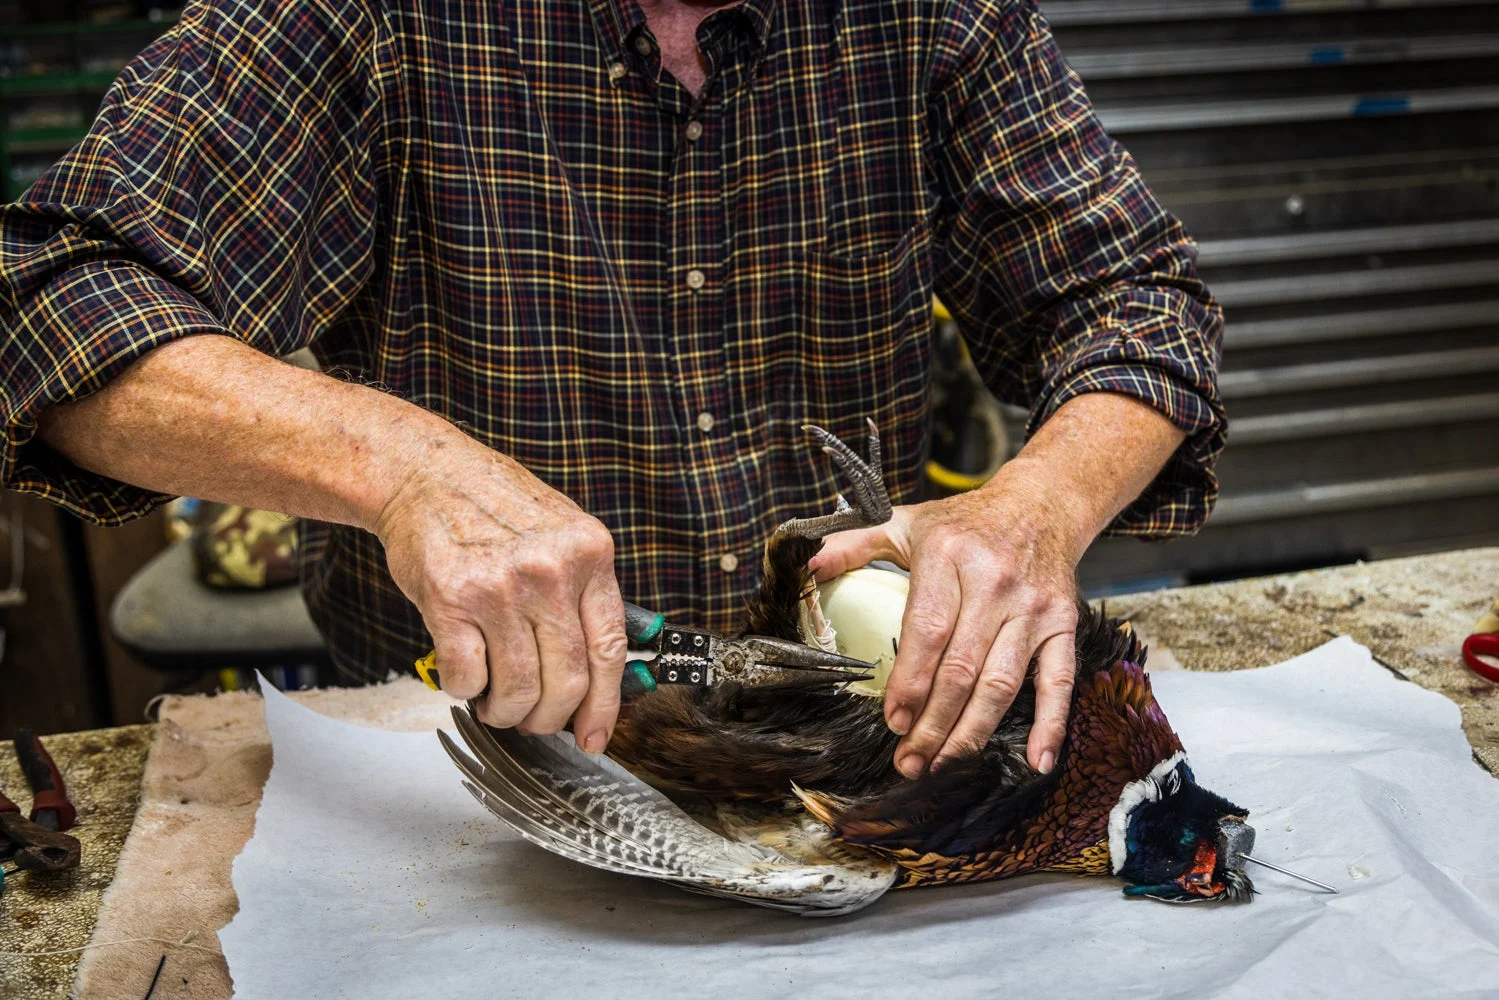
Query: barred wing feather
{"points": [[591, 810]]}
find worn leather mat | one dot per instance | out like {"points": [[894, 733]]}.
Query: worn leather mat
{"points": [[201, 787]]}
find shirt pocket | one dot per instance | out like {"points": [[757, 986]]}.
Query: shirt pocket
{"points": [[865, 347]]}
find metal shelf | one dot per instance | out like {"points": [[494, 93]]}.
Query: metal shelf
{"points": [[1124, 120], [44, 138], [1356, 325], [1333, 498], [1352, 284], [1349, 243], [137, 25], [1275, 428], [1178, 60], [1080, 12], [82, 39], [1378, 370], [55, 82]]}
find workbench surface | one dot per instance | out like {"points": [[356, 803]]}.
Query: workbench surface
{"points": [[1412, 613]]}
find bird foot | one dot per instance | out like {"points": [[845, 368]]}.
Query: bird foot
{"points": [[871, 503]]}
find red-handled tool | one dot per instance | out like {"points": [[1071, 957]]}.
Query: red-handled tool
{"points": [[1482, 644], [33, 846], [38, 843], [50, 808]]}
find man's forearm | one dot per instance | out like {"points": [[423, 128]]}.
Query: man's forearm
{"points": [[1091, 459], [210, 417], [515, 583]]}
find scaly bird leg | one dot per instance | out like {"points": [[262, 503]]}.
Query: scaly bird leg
{"points": [[786, 605], [871, 503]]}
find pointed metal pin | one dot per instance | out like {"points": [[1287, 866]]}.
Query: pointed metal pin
{"points": [[1284, 871]]}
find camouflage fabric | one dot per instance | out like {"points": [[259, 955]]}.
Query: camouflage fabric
{"points": [[239, 548]]}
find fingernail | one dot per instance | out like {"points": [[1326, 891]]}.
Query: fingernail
{"points": [[912, 764], [1048, 761], [595, 741], [900, 721]]}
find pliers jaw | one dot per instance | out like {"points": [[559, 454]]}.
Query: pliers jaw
{"points": [[38, 843], [700, 658], [35, 848]]}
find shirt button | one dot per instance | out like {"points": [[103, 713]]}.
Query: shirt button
{"points": [[694, 130], [696, 279], [643, 45], [728, 563], [705, 421], [617, 71]]}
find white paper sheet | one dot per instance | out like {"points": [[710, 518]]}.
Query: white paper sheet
{"points": [[372, 873]]}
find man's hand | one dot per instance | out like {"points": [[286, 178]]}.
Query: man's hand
{"points": [[991, 587], [515, 582], [516, 585], [992, 579]]}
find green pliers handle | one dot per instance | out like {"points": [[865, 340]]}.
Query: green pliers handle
{"points": [[641, 626]]}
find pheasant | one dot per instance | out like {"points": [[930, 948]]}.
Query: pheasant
{"points": [[784, 794]]}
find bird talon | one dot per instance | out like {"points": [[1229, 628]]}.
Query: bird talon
{"points": [[871, 504]]}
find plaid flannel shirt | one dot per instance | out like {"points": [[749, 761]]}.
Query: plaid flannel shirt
{"points": [[510, 214]]}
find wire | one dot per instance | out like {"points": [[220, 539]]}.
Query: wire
{"points": [[154, 979], [185, 942]]}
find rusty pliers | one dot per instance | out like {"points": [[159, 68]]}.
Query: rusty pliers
{"points": [[699, 658], [38, 842]]}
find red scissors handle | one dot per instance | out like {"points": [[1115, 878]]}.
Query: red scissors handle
{"points": [[1486, 643]]}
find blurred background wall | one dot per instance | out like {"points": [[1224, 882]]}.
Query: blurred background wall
{"points": [[1338, 160]]}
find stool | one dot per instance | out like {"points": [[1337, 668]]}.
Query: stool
{"points": [[172, 622]]}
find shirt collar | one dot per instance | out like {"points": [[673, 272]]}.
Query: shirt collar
{"points": [[620, 20]]}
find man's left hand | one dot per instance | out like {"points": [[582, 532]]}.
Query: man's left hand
{"points": [[992, 578], [992, 587]]}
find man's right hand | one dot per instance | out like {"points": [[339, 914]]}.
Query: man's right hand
{"points": [[516, 584]]}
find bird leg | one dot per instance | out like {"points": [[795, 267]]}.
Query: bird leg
{"points": [[786, 606], [871, 503]]}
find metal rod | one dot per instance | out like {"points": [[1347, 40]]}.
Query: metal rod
{"points": [[1283, 871]]}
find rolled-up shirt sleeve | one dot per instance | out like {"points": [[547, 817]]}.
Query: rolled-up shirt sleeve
{"points": [[1062, 269], [226, 187]]}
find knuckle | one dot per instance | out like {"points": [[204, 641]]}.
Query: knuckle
{"points": [[959, 671], [572, 689], [604, 699], [544, 575], [464, 590], [495, 711], [998, 687], [1034, 603], [1001, 573], [924, 740], [907, 691], [610, 648], [515, 687], [926, 625], [1058, 683], [598, 542], [496, 581]]}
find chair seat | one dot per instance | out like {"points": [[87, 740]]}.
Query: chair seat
{"points": [[170, 620]]}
